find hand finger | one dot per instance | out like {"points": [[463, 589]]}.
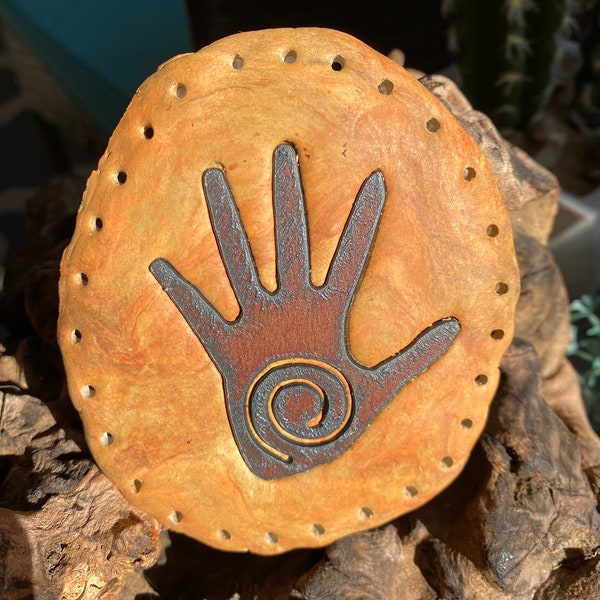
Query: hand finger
{"points": [[206, 322], [291, 235], [357, 238], [231, 238]]}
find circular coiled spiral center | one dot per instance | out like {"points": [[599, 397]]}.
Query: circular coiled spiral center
{"points": [[297, 402]]}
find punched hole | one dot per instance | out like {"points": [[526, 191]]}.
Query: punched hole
{"points": [[481, 379], [136, 486], [469, 173], [386, 87], [290, 57], [411, 491], [365, 512], [88, 391], [176, 517], [338, 63], [497, 334], [97, 224], [447, 462], [237, 62], [121, 177], [318, 530], [106, 439], [493, 230], [223, 534], [433, 125], [180, 90], [271, 538], [76, 336], [148, 132], [466, 423], [501, 288], [81, 279]]}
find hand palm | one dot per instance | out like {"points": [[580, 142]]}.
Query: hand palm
{"points": [[295, 396]]}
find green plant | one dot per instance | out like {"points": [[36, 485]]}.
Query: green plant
{"points": [[584, 350], [508, 54]]}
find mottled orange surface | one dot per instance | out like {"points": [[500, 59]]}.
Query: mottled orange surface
{"points": [[157, 392]]}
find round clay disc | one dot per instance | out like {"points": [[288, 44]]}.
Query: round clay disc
{"points": [[180, 279]]}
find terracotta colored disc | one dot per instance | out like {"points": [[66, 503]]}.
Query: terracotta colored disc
{"points": [[163, 404]]}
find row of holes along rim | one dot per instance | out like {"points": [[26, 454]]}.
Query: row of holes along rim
{"points": [[88, 391], [337, 64]]}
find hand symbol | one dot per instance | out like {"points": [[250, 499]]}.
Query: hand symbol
{"points": [[295, 396]]}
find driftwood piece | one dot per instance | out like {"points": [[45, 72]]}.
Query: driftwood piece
{"points": [[542, 315], [81, 545], [563, 393], [579, 579], [376, 564], [65, 530]]}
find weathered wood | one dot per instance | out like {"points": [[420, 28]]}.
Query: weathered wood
{"points": [[374, 564], [65, 530], [562, 391], [542, 316]]}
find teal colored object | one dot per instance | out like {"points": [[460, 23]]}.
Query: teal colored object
{"points": [[100, 51]]}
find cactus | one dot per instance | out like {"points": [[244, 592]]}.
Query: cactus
{"points": [[508, 53], [586, 111]]}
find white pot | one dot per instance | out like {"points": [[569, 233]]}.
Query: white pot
{"points": [[575, 242]]}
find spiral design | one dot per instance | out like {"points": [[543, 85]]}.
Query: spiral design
{"points": [[297, 402]]}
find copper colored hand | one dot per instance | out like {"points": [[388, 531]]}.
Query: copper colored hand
{"points": [[295, 396]]}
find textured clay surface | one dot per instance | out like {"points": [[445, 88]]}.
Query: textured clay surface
{"points": [[151, 399]]}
